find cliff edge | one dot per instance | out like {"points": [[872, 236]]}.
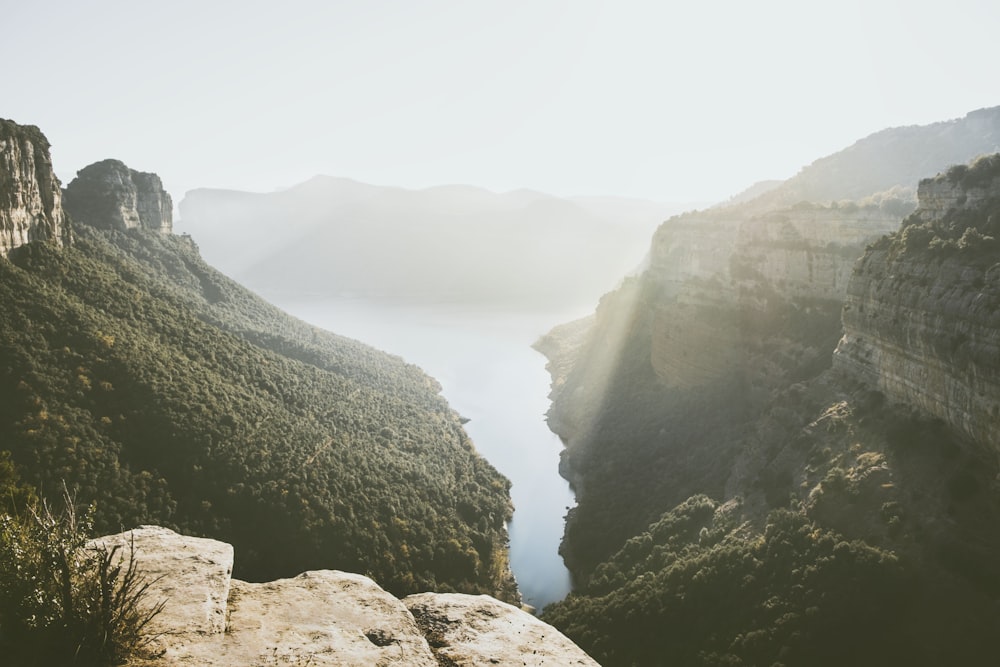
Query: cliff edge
{"points": [[30, 199], [109, 195], [922, 318], [322, 617]]}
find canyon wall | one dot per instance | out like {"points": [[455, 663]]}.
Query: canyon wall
{"points": [[30, 198], [724, 280], [922, 318]]}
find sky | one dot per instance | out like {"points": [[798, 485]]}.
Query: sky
{"points": [[669, 101]]}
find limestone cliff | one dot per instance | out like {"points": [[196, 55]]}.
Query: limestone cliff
{"points": [[322, 617], [739, 303], [30, 199], [109, 195], [922, 319], [721, 280]]}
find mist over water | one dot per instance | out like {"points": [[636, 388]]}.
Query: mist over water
{"points": [[489, 374]]}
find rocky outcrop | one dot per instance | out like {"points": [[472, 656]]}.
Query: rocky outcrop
{"points": [[109, 195], [322, 617], [30, 198], [720, 278], [480, 630], [922, 318]]}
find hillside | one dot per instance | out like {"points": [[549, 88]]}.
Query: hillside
{"points": [[145, 380], [742, 500], [456, 244]]}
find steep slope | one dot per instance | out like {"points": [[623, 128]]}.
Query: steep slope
{"points": [[30, 199], [922, 320], [109, 195], [444, 244], [843, 524], [737, 302], [145, 380]]}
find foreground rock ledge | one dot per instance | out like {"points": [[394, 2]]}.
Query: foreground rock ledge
{"points": [[323, 617]]}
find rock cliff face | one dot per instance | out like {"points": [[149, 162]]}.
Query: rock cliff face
{"points": [[922, 319], [720, 277], [30, 199], [323, 617], [109, 195], [718, 274], [738, 304]]}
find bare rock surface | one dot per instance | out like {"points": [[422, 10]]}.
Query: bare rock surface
{"points": [[30, 199], [109, 195], [467, 630], [192, 574], [322, 617], [922, 318]]}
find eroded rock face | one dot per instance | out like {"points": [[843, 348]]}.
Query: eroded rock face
{"points": [[321, 617], [472, 630], [922, 319], [719, 276], [30, 198], [109, 195]]}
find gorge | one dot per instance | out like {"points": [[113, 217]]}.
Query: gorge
{"points": [[781, 431], [712, 434]]}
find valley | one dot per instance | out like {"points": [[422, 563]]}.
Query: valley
{"points": [[778, 429]]}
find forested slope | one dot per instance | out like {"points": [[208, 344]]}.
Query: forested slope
{"points": [[144, 380]]}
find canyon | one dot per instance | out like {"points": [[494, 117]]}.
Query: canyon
{"points": [[823, 351]]}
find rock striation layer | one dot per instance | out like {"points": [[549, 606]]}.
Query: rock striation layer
{"points": [[922, 318], [717, 277], [322, 617], [30, 198], [109, 195]]}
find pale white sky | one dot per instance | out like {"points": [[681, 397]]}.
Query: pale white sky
{"points": [[664, 100]]}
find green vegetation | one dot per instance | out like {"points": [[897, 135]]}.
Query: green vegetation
{"points": [[64, 601], [853, 531], [156, 387], [697, 588], [967, 232]]}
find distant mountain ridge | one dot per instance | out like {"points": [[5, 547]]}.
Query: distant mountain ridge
{"points": [[452, 243], [898, 156]]}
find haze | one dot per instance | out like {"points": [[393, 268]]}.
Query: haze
{"points": [[640, 99]]}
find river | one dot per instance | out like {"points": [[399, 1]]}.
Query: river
{"points": [[490, 374]]}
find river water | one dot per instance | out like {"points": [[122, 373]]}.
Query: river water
{"points": [[490, 374]]}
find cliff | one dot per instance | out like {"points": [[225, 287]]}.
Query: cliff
{"points": [[922, 318], [109, 195], [713, 373], [322, 617], [30, 199]]}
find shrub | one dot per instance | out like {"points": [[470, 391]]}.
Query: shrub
{"points": [[64, 601]]}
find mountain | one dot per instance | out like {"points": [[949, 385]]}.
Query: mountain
{"points": [[745, 496], [333, 236], [151, 384]]}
